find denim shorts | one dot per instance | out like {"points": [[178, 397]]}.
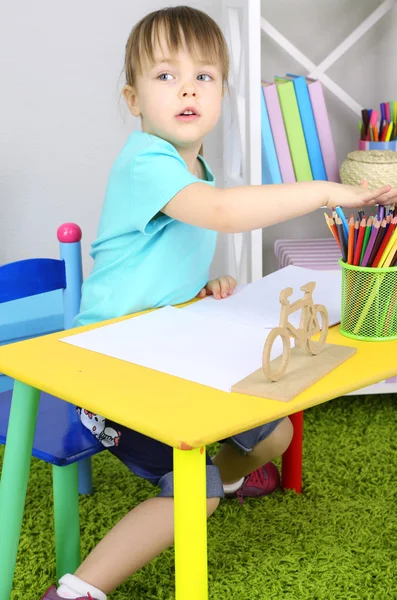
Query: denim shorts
{"points": [[153, 460]]}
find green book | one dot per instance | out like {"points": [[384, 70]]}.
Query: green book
{"points": [[294, 129]]}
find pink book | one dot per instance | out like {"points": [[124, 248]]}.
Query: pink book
{"points": [[323, 129], [278, 131]]}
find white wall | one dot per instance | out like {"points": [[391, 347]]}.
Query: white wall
{"points": [[366, 72], [62, 122]]}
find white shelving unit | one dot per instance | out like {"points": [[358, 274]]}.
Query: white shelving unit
{"points": [[242, 133], [243, 25]]}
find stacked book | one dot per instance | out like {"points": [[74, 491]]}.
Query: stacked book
{"points": [[297, 142]]}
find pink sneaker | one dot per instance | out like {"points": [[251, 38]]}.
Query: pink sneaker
{"points": [[261, 482], [51, 594]]}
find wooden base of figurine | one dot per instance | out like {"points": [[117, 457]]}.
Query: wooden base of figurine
{"points": [[302, 371]]}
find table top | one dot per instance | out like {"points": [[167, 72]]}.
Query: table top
{"points": [[175, 411]]}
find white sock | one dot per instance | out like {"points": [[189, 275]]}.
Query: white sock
{"points": [[229, 488], [74, 587]]}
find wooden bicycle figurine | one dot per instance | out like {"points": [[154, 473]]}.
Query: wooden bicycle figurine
{"points": [[314, 318]]}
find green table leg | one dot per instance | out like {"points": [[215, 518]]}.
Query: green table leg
{"points": [[14, 478], [66, 518], [191, 571]]}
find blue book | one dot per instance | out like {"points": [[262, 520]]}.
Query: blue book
{"points": [[309, 126], [270, 167]]}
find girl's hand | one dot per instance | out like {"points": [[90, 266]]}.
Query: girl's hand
{"points": [[353, 196], [219, 288]]}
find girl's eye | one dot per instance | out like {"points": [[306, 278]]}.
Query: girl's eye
{"points": [[164, 75], [205, 75]]}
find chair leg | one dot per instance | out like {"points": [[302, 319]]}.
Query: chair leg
{"points": [[66, 518], [85, 476], [292, 457], [14, 478], [191, 572]]}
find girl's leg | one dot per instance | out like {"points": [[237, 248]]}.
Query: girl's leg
{"points": [[132, 543], [148, 529], [233, 465]]}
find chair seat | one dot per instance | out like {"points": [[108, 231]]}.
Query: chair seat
{"points": [[60, 438]]}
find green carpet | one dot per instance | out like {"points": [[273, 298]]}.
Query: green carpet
{"points": [[336, 541]]}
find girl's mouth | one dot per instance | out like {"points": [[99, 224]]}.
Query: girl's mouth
{"points": [[187, 118]]}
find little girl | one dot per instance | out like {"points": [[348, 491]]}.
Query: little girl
{"points": [[155, 244]]}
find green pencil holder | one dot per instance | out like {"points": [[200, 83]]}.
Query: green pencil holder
{"points": [[369, 303]]}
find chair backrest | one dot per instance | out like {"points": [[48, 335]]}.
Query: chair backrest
{"points": [[34, 276], [64, 443]]}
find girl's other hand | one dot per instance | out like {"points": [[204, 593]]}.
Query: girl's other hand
{"points": [[219, 288]]}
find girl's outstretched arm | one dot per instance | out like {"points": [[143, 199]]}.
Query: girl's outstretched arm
{"points": [[237, 209]]}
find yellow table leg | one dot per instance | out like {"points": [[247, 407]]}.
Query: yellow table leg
{"points": [[191, 572]]}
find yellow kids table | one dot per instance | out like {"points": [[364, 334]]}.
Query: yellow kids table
{"points": [[180, 413]]}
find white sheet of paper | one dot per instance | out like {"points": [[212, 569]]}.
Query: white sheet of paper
{"points": [[257, 304], [174, 341]]}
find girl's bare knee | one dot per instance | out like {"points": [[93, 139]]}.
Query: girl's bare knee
{"points": [[278, 441], [289, 428], [284, 432], [212, 505]]}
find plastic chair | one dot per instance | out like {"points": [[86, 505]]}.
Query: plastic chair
{"points": [[29, 317], [60, 438]]}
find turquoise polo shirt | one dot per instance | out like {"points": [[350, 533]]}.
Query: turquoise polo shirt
{"points": [[143, 258]]}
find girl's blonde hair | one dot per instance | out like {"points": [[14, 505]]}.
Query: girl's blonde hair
{"points": [[179, 25]]}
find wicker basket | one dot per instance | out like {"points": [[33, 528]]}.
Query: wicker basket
{"points": [[378, 167]]}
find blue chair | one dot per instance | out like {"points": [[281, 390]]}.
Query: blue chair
{"points": [[60, 438], [29, 317]]}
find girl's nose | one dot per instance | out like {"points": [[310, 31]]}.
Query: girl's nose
{"points": [[188, 89]]}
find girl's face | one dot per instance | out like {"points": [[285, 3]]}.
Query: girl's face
{"points": [[167, 88]]}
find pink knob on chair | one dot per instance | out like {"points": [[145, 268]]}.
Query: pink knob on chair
{"points": [[69, 233]]}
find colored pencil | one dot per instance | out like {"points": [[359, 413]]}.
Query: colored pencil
{"points": [[390, 249], [342, 238], [389, 244], [378, 242], [356, 226], [341, 215], [388, 132], [328, 225], [371, 243], [350, 245], [384, 243], [357, 251], [366, 238], [390, 257], [332, 228]]}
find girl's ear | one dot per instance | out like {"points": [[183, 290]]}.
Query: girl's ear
{"points": [[131, 98]]}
